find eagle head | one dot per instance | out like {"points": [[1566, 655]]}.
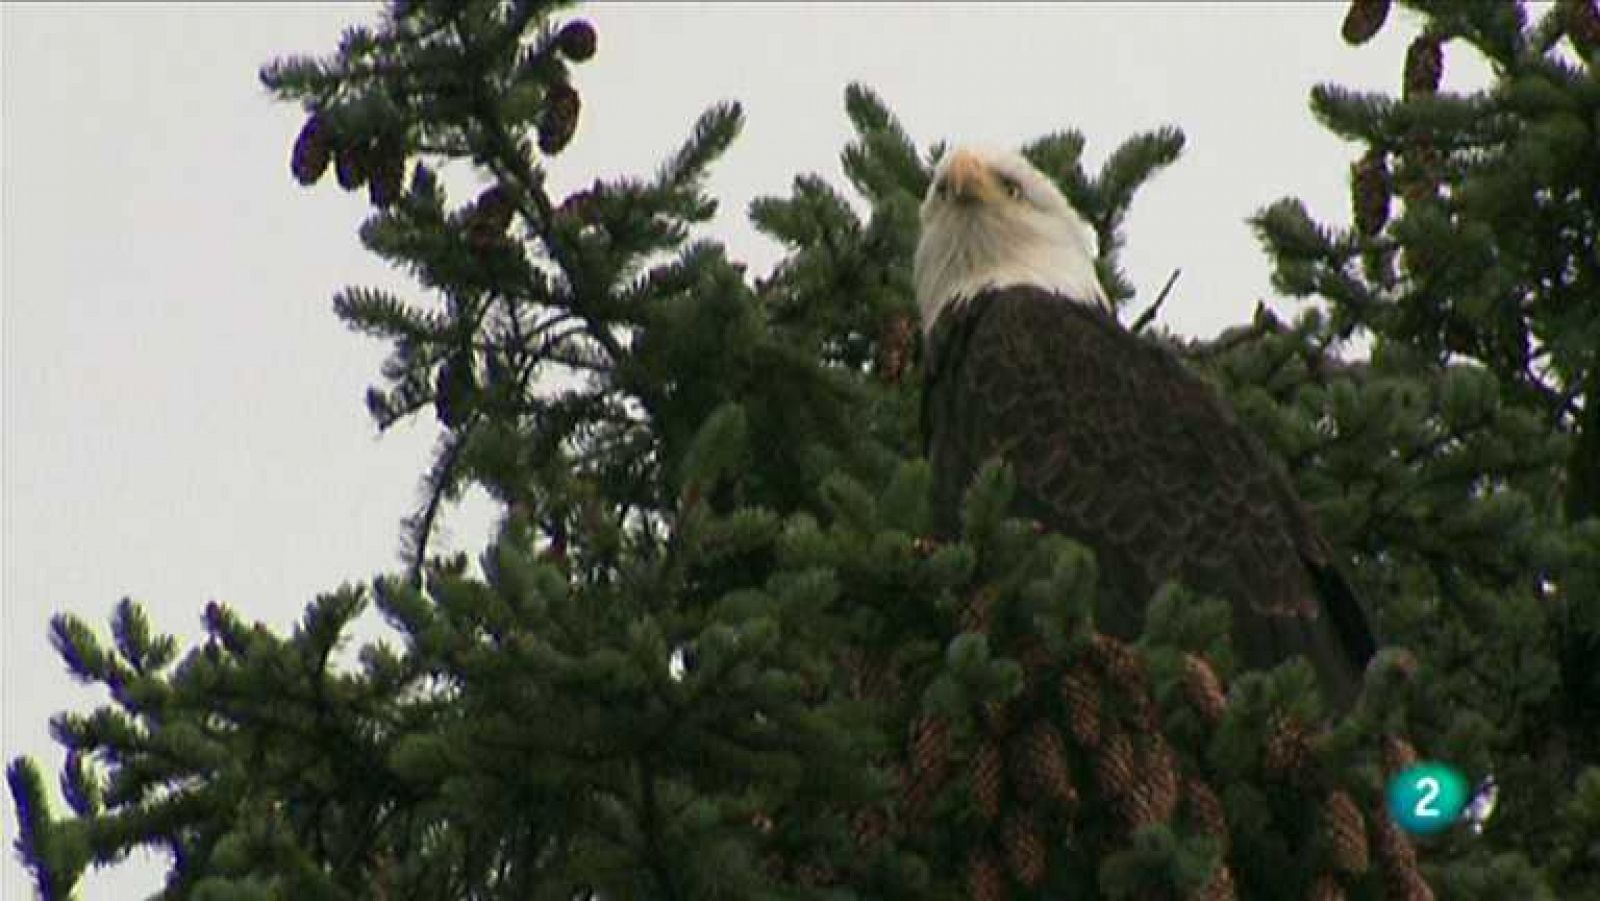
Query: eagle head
{"points": [[991, 220]]}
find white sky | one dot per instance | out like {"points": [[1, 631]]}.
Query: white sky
{"points": [[182, 414]]}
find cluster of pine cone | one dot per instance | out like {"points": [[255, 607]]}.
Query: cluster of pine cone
{"points": [[379, 163], [1088, 730]]}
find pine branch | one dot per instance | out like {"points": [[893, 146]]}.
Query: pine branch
{"points": [[441, 483], [1150, 312]]}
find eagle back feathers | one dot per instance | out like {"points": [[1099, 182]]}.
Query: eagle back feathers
{"points": [[1114, 443]]}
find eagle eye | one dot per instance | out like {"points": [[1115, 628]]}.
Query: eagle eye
{"points": [[1012, 186]]}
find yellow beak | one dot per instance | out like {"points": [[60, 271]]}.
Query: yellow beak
{"points": [[967, 178]]}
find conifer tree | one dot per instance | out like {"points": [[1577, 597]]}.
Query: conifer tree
{"points": [[1470, 265], [712, 653]]}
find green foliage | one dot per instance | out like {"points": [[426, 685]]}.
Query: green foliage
{"points": [[712, 654], [1459, 464]]}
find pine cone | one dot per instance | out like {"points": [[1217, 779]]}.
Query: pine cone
{"points": [[576, 40], [1206, 810], [350, 165], [930, 746], [1288, 746], [1025, 849], [1118, 778], [986, 881], [915, 794], [1397, 754], [1424, 66], [1219, 887], [1369, 188], [988, 773], [1118, 660], [1160, 786], [1424, 169], [1203, 689], [388, 172], [894, 348], [1398, 862], [1046, 755], [1326, 888], [559, 118], [1363, 20], [489, 217], [1414, 888], [455, 390], [1080, 694], [930, 758], [313, 148], [1346, 834]]}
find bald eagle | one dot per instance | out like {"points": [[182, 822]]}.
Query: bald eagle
{"points": [[1111, 440]]}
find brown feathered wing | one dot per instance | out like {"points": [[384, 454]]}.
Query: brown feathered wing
{"points": [[1115, 444]]}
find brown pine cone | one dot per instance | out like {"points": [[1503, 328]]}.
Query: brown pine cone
{"points": [[1370, 187], [1080, 694], [1025, 849], [1203, 689], [1424, 66], [915, 794], [930, 760], [313, 149], [455, 391], [1219, 887], [986, 881], [388, 173], [1119, 661], [1397, 754], [1424, 171], [1363, 20], [1161, 784], [1288, 746], [559, 118], [1206, 810], [350, 166], [1398, 861], [988, 774], [1345, 831], [1118, 778], [930, 744], [1414, 888], [576, 40], [489, 217], [1047, 764], [894, 348]]}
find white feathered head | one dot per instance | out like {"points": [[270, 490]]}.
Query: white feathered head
{"points": [[991, 220]]}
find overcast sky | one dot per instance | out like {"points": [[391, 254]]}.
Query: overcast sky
{"points": [[182, 414]]}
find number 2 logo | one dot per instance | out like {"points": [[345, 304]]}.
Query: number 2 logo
{"points": [[1428, 786], [1426, 798]]}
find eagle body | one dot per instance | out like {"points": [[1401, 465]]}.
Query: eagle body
{"points": [[1112, 441]]}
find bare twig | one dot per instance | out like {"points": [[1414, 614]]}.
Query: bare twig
{"points": [[1149, 314]]}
